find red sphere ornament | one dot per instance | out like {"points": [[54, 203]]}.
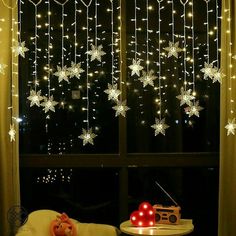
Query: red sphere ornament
{"points": [[144, 217]]}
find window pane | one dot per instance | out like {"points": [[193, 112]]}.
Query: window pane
{"points": [[81, 98], [88, 195], [186, 132]]}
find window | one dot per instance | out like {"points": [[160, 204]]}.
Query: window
{"points": [[119, 170]]}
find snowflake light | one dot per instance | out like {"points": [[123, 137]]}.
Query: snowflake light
{"points": [[20, 49], [185, 97], [49, 104], [218, 75], [160, 126], [208, 71], [173, 49], [62, 74], [96, 52], [148, 78], [231, 126], [75, 70], [12, 132], [87, 136], [136, 67], [2, 69], [121, 108], [193, 109], [35, 98], [113, 92]]}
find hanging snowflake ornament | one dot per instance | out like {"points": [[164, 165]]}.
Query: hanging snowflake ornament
{"points": [[62, 73], [96, 52], [193, 109], [208, 70], [113, 92], [12, 133], [160, 126], [185, 97], [2, 69], [87, 136], [148, 78], [121, 108], [136, 67], [75, 70], [49, 104], [20, 49], [218, 75], [231, 126], [173, 49], [35, 98]]}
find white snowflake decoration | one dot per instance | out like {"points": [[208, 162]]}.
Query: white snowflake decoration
{"points": [[48, 104], [136, 67], [20, 49], [208, 71], [193, 109], [62, 74], [96, 52], [231, 126], [160, 126], [2, 69], [185, 97], [113, 92], [218, 75], [148, 78], [87, 136], [12, 133], [75, 70], [121, 108], [35, 98], [173, 49]]}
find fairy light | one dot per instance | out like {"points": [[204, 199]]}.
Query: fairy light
{"points": [[193, 47], [217, 35], [159, 55], [96, 22], [75, 42], [147, 36], [185, 43], [231, 125], [112, 42], [207, 26]]}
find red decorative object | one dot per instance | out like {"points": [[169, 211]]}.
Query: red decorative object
{"points": [[144, 217]]}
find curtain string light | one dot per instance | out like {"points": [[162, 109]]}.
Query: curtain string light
{"points": [[193, 49], [159, 57], [185, 43]]}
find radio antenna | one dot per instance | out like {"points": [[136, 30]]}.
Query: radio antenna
{"points": [[166, 193]]}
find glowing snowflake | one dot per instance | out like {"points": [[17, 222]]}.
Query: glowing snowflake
{"points": [[185, 97], [87, 136], [208, 70], [62, 74], [20, 49], [48, 104], [113, 92], [135, 67], [121, 108], [35, 98], [193, 109], [12, 133], [75, 70], [231, 126], [173, 49], [148, 78], [96, 52], [218, 75], [160, 126]]}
